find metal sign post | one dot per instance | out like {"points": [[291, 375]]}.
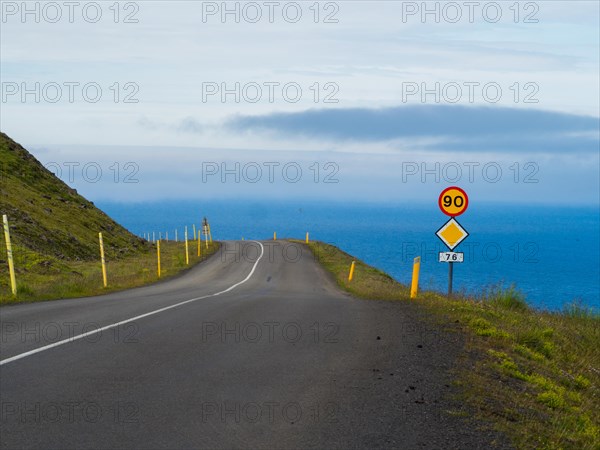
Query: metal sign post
{"points": [[450, 274]]}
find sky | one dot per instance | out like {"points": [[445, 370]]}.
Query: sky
{"points": [[350, 100]]}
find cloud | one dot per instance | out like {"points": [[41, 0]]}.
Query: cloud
{"points": [[189, 125], [447, 127], [147, 124], [185, 125]]}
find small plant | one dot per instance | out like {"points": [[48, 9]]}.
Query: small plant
{"points": [[24, 290], [509, 298], [537, 340], [482, 327], [577, 310], [582, 382], [528, 353], [551, 399], [507, 365]]}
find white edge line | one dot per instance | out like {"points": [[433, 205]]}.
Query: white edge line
{"points": [[151, 313]]}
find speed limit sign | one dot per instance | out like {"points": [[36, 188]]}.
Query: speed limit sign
{"points": [[453, 201]]}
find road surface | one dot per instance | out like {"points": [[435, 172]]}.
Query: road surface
{"points": [[254, 348]]}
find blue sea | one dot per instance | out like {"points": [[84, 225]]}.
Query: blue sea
{"points": [[551, 254]]}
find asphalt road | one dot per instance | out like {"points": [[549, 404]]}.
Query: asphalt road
{"points": [[254, 348]]}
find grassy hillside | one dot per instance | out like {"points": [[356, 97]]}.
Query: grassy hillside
{"points": [[534, 375], [54, 235], [48, 219]]}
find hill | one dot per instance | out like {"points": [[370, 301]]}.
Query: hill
{"points": [[54, 235], [50, 219]]}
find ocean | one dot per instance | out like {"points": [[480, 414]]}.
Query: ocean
{"points": [[551, 254]]}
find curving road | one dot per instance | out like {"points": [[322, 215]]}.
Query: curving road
{"points": [[254, 348]]}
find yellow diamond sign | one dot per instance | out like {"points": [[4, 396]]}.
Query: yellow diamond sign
{"points": [[452, 233]]}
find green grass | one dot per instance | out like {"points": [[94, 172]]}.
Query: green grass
{"points": [[536, 374], [56, 279]]}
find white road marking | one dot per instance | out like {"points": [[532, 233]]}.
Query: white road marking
{"points": [[108, 327]]}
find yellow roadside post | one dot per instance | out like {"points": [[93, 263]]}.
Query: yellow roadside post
{"points": [[102, 259], [194, 228], [11, 265], [415, 277], [209, 233], [307, 237], [158, 256], [351, 274], [198, 242], [187, 253], [274, 235]]}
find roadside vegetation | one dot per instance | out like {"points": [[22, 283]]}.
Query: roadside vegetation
{"points": [[43, 277], [534, 375]]}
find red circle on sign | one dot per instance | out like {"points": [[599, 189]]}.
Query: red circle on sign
{"points": [[453, 210]]}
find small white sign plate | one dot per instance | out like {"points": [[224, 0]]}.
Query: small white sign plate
{"points": [[451, 257]]}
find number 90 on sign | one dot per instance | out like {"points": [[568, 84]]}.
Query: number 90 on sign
{"points": [[453, 201], [451, 257]]}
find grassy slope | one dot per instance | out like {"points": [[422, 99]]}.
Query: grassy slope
{"points": [[536, 375], [54, 235], [49, 218]]}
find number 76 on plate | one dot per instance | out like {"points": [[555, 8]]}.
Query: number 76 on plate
{"points": [[451, 257]]}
